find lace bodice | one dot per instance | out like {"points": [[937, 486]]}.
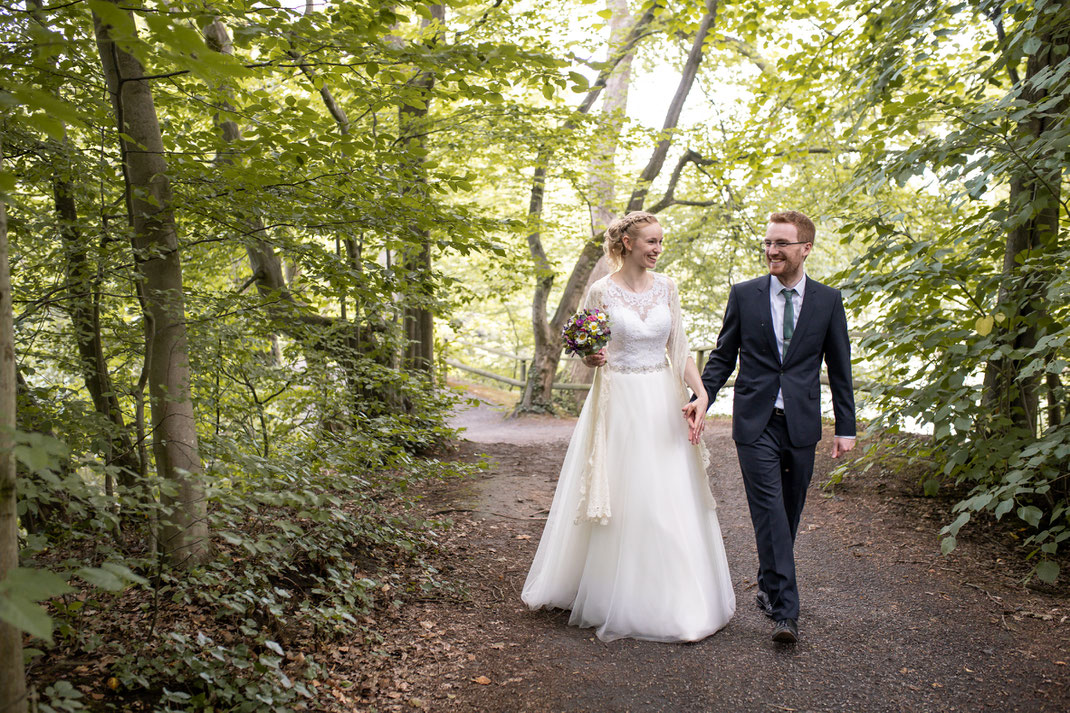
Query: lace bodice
{"points": [[641, 323], [647, 336]]}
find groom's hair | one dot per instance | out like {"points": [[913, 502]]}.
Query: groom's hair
{"points": [[803, 225]]}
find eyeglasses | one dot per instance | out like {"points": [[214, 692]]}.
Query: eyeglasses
{"points": [[780, 245]]}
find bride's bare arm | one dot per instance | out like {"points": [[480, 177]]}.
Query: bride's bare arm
{"points": [[695, 412]]}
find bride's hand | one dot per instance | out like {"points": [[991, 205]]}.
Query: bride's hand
{"points": [[695, 415], [596, 359]]}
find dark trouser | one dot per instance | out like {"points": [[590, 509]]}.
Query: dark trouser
{"points": [[776, 476]]}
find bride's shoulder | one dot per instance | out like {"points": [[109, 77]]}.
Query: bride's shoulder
{"points": [[596, 293], [600, 284], [664, 280]]}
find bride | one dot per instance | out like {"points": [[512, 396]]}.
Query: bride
{"points": [[632, 544]]}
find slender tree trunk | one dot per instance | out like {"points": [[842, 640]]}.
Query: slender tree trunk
{"points": [[538, 390], [343, 340], [12, 672], [84, 310], [1055, 394], [184, 532], [603, 168], [416, 261], [1036, 186]]}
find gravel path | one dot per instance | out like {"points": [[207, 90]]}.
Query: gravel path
{"points": [[888, 624]]}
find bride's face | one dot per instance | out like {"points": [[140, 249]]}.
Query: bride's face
{"points": [[645, 247]]}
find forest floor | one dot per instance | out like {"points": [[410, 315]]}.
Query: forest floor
{"points": [[888, 623]]}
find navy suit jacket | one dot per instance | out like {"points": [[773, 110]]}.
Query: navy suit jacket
{"points": [[820, 335]]}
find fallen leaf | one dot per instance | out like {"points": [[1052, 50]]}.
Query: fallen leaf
{"points": [[482, 680], [523, 537]]}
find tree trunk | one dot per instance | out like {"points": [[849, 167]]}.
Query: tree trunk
{"points": [[342, 340], [1036, 185], [416, 261], [603, 169], [12, 672], [538, 390], [83, 288], [184, 531]]}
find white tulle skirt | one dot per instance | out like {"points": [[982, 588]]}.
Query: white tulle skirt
{"points": [[657, 570]]}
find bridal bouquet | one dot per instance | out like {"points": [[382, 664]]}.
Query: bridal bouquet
{"points": [[587, 332]]}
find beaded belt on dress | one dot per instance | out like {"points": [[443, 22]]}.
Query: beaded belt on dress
{"points": [[637, 369]]}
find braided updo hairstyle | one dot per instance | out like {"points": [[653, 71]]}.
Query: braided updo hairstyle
{"points": [[625, 225]]}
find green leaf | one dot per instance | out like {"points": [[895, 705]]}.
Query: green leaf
{"points": [[123, 572], [120, 22], [24, 615], [55, 128], [39, 452], [1031, 514], [1048, 571], [101, 578], [947, 544], [931, 487], [34, 584], [1003, 508], [961, 520]]}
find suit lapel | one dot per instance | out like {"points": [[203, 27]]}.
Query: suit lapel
{"points": [[766, 310], [810, 307]]}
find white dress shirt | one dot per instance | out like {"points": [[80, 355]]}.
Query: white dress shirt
{"points": [[776, 303]]}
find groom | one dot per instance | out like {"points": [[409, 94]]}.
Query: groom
{"points": [[781, 326]]}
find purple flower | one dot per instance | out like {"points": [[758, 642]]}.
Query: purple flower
{"points": [[587, 332]]}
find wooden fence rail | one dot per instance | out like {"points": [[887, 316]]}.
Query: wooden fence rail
{"points": [[700, 353]]}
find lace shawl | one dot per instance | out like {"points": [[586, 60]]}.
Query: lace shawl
{"points": [[594, 485]]}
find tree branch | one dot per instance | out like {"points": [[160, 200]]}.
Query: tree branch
{"points": [[672, 116]]}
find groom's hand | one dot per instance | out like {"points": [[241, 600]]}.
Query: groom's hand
{"points": [[841, 446]]}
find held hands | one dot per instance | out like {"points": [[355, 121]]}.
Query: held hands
{"points": [[596, 359], [695, 415], [841, 446]]}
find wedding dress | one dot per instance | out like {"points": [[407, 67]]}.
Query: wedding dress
{"points": [[632, 545]]}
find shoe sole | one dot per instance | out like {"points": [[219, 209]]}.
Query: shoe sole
{"points": [[785, 637]]}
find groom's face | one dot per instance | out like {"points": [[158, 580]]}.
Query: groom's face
{"points": [[784, 254]]}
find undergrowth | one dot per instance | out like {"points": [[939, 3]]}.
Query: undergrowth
{"points": [[307, 547]]}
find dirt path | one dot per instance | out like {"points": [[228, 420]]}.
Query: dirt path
{"points": [[888, 624]]}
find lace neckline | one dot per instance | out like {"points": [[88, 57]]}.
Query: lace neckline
{"points": [[640, 302], [622, 288]]}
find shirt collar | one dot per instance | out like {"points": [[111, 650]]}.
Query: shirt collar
{"points": [[775, 285]]}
